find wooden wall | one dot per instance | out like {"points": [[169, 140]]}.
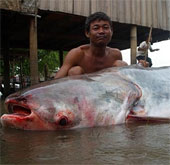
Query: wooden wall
{"points": [[138, 12]]}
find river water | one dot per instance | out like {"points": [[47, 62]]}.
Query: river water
{"points": [[144, 144]]}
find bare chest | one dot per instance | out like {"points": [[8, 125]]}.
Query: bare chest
{"points": [[91, 64]]}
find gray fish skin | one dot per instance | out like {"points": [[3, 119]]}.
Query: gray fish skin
{"points": [[109, 97], [155, 86]]}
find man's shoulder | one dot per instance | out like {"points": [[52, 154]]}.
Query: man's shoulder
{"points": [[77, 52], [84, 47], [143, 43], [114, 51], [80, 49]]}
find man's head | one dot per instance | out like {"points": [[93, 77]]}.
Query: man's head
{"points": [[96, 16], [98, 28]]}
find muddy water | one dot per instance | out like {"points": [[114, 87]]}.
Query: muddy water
{"points": [[123, 144]]}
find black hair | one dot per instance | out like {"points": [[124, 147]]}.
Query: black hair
{"points": [[96, 16]]}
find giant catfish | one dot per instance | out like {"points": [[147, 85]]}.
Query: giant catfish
{"points": [[108, 97]]}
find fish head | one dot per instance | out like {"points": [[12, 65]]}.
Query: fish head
{"points": [[33, 111], [73, 102]]}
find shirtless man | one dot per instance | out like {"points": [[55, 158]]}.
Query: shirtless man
{"points": [[96, 55]]}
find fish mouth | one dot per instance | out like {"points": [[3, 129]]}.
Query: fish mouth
{"points": [[18, 115], [17, 105], [19, 110]]}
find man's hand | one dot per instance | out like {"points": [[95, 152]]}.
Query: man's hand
{"points": [[144, 63], [119, 63]]}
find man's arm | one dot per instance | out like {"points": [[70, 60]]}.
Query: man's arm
{"points": [[143, 49], [118, 59], [119, 63], [69, 62], [62, 72], [153, 50]]}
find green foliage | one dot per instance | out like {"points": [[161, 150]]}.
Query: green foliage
{"points": [[26, 67], [50, 59], [15, 67]]}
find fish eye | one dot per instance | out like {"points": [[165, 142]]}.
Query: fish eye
{"points": [[63, 121]]}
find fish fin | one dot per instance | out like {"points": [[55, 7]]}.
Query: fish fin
{"points": [[145, 119]]}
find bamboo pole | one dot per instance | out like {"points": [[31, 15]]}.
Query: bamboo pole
{"points": [[133, 44], [148, 40]]}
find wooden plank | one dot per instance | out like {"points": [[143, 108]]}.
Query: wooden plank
{"points": [[44, 4], [137, 12], [154, 13], [143, 12], [101, 5], [149, 13], [114, 15], [168, 14], [164, 14], [107, 6], [94, 6], [52, 5], [57, 5], [127, 11], [67, 6], [133, 12], [159, 9], [82, 7], [121, 9]]}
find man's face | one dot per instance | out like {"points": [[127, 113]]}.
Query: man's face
{"points": [[100, 33]]}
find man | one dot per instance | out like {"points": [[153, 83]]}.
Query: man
{"points": [[96, 55], [142, 51]]}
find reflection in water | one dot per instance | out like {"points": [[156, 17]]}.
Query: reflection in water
{"points": [[147, 144], [122, 144]]}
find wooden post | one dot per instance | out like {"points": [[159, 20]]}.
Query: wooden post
{"points": [[61, 57], [21, 73], [133, 44], [6, 76], [33, 52]]}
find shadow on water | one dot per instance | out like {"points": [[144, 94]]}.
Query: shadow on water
{"points": [[121, 144]]}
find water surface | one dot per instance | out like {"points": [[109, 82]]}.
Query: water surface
{"points": [[144, 144]]}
